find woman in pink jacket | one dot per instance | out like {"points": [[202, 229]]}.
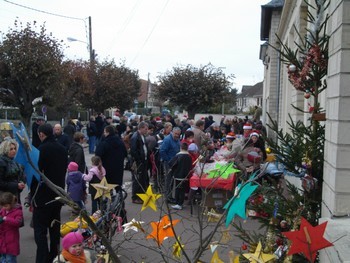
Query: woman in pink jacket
{"points": [[11, 219]]}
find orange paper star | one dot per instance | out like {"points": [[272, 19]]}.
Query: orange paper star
{"points": [[162, 229], [308, 240]]}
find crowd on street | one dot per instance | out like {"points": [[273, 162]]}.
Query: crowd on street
{"points": [[161, 151]]}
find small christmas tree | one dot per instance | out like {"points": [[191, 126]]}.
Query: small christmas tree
{"points": [[299, 151]]}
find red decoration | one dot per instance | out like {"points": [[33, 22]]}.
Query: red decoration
{"points": [[244, 246], [307, 95], [308, 240]]}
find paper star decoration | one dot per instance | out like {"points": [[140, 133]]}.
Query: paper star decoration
{"points": [[232, 257], [177, 249], [259, 256], [222, 170], [226, 236], [308, 240], [215, 258], [236, 205], [149, 199], [133, 225], [22, 138], [103, 189], [213, 216], [162, 229], [213, 247]]}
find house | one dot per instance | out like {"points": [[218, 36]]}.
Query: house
{"points": [[249, 97], [286, 19]]}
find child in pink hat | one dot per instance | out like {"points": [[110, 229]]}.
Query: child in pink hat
{"points": [[76, 186], [73, 250]]}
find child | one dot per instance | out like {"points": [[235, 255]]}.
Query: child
{"points": [[11, 219], [95, 175], [76, 186], [73, 250], [181, 166]]}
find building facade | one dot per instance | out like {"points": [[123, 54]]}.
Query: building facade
{"points": [[286, 19]]}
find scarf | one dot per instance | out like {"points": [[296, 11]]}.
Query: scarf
{"points": [[74, 259]]}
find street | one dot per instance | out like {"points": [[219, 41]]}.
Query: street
{"points": [[135, 247]]}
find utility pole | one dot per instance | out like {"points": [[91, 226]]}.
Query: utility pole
{"points": [[91, 51]]}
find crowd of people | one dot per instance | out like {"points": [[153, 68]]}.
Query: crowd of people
{"points": [[159, 151]]}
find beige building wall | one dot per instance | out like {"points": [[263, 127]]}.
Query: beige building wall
{"points": [[336, 102]]}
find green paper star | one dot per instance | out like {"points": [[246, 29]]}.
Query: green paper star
{"points": [[236, 205], [222, 170]]}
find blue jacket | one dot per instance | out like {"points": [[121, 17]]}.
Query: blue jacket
{"points": [[169, 148]]}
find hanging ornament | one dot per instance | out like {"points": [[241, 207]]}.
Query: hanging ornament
{"points": [[292, 68], [307, 94], [244, 246], [268, 150]]}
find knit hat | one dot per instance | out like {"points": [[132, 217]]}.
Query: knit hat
{"points": [[158, 119], [71, 239], [230, 135], [193, 147], [247, 126], [73, 166]]}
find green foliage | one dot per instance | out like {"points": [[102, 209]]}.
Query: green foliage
{"points": [[111, 86], [194, 89], [30, 63]]}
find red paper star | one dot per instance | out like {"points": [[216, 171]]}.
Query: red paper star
{"points": [[162, 229], [308, 240]]}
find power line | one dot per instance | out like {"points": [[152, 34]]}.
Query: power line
{"points": [[45, 12], [149, 35]]}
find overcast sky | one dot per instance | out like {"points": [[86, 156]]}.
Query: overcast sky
{"points": [[153, 36]]}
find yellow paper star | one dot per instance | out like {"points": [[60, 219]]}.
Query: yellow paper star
{"points": [[177, 249], [215, 258], [259, 256], [149, 199], [162, 229], [104, 188], [213, 216], [232, 257], [226, 236]]}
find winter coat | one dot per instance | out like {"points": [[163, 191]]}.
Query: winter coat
{"points": [[181, 165], [112, 152], [76, 187], [11, 173], [53, 162], [91, 129], [60, 258], [137, 148], [169, 148], [63, 139], [9, 230], [76, 154], [94, 177]]}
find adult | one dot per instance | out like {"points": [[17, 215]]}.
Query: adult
{"points": [[53, 163], [35, 137], [140, 155], [257, 114], [199, 136], [60, 137], [112, 152], [99, 121], [208, 122], [91, 133], [12, 178], [169, 148], [76, 151], [69, 130]]}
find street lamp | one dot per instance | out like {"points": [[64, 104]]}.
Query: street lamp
{"points": [[89, 45]]}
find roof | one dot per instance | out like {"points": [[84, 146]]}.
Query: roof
{"points": [[266, 13], [251, 91]]}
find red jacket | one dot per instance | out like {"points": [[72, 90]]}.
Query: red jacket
{"points": [[9, 230]]}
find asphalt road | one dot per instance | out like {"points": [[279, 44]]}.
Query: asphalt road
{"points": [[135, 247]]}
